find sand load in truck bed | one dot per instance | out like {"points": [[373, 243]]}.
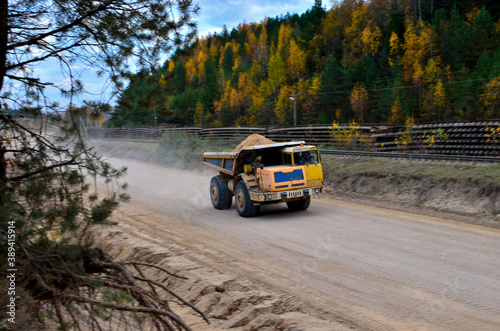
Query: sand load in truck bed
{"points": [[253, 140]]}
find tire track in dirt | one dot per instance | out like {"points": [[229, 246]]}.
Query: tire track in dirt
{"points": [[230, 299], [428, 287]]}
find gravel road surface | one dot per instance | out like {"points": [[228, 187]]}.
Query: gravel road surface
{"points": [[375, 268]]}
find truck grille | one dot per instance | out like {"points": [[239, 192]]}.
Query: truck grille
{"points": [[280, 177]]}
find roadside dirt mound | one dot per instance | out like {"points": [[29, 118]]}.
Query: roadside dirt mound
{"points": [[253, 140]]}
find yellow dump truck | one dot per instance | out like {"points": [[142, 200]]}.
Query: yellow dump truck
{"points": [[288, 172]]}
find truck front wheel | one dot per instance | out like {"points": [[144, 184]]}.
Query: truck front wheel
{"points": [[244, 205], [219, 194], [301, 204]]}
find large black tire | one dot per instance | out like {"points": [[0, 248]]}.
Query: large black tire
{"points": [[244, 205], [220, 195], [298, 205]]}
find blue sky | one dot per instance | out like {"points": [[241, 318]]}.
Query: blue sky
{"points": [[215, 13], [213, 16]]}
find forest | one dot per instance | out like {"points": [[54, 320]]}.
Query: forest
{"points": [[378, 61]]}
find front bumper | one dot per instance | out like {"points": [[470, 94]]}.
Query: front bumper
{"points": [[259, 196]]}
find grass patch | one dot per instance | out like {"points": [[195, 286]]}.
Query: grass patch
{"points": [[434, 169]]}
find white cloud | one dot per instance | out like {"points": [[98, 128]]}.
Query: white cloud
{"points": [[215, 14]]}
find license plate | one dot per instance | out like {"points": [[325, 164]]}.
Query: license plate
{"points": [[294, 194]]}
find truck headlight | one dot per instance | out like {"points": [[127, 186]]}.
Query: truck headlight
{"points": [[270, 196], [317, 191]]}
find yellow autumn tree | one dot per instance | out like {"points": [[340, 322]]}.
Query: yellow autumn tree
{"points": [[490, 99], [314, 50], [262, 52], [419, 46], [371, 38], [191, 72], [255, 111], [201, 71], [251, 45], [284, 35], [163, 80], [253, 99], [221, 106], [335, 22], [296, 62], [353, 43], [213, 51], [171, 66], [225, 63], [435, 102], [236, 56], [397, 113], [311, 100], [196, 73], [359, 102], [246, 88], [284, 105], [362, 35], [394, 48], [222, 52], [201, 117], [256, 71], [235, 102], [434, 95], [276, 69], [434, 70], [227, 51]]}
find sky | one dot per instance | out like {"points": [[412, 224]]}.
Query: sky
{"points": [[214, 14]]}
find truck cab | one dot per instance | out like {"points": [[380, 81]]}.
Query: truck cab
{"points": [[309, 158]]}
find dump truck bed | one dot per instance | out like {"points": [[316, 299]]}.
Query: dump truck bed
{"points": [[223, 162]]}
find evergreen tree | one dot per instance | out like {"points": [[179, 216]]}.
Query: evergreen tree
{"points": [[47, 207]]}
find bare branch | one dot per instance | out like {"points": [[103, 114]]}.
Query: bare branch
{"points": [[127, 308], [154, 266], [64, 28], [175, 295], [43, 170], [39, 59]]}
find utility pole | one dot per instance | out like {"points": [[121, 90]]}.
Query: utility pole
{"points": [[294, 99]]}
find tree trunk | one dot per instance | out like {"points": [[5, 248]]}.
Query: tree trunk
{"points": [[3, 175], [3, 39]]}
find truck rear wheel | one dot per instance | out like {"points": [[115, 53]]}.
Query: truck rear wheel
{"points": [[220, 195], [301, 204], [244, 205]]}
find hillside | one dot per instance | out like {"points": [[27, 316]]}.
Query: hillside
{"points": [[371, 61]]}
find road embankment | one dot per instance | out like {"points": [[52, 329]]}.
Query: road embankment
{"points": [[462, 191]]}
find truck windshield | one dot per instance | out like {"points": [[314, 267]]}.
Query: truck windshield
{"points": [[307, 157]]}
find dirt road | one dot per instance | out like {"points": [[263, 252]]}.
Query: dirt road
{"points": [[373, 268]]}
